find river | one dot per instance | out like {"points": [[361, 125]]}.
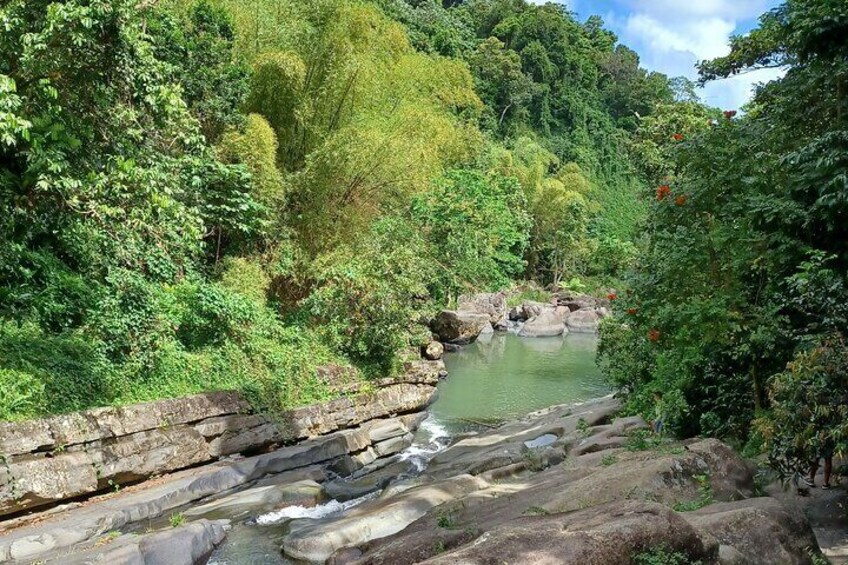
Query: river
{"points": [[497, 378]]}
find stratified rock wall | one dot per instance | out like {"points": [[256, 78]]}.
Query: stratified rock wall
{"points": [[54, 459]]}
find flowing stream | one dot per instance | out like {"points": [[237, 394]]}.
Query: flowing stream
{"points": [[499, 377]]}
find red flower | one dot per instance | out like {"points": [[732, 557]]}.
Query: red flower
{"points": [[663, 191], [654, 335], [632, 311], [730, 114], [612, 296], [680, 200], [677, 137]]}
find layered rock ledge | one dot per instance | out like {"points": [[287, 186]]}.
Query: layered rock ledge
{"points": [[76, 455], [571, 484]]}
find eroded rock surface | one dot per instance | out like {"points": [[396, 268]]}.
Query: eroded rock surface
{"points": [[564, 485], [460, 327]]}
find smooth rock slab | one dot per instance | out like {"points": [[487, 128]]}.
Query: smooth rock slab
{"points": [[546, 324], [459, 327], [609, 535], [186, 545], [583, 321], [259, 500], [312, 540]]}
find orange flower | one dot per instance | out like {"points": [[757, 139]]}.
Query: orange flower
{"points": [[680, 200], [654, 335], [677, 137], [663, 191], [612, 296], [632, 311]]}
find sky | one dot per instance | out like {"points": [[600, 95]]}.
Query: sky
{"points": [[672, 35]]}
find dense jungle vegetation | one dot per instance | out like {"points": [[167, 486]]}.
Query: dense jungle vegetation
{"points": [[736, 308], [207, 194], [226, 194]]}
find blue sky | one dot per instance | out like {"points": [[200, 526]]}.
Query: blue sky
{"points": [[672, 35]]}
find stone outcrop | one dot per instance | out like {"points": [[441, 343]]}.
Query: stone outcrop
{"points": [[285, 476], [583, 321], [54, 459], [564, 485], [185, 545], [459, 327], [758, 531], [491, 304], [609, 534], [547, 323]]}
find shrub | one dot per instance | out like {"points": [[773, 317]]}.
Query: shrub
{"points": [[21, 395]]}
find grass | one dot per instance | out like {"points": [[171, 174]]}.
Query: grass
{"points": [[609, 459], [537, 511], [445, 519], [176, 520], [705, 496], [642, 440], [583, 427]]}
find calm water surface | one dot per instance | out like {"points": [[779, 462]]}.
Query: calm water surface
{"points": [[506, 376]]}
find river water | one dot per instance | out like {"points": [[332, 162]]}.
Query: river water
{"points": [[497, 378]]}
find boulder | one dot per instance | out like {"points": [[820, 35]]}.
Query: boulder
{"points": [[317, 540], [757, 531], [259, 500], [530, 309], [609, 534], [433, 351], [583, 321], [575, 301], [546, 324], [459, 327], [185, 545], [491, 304]]}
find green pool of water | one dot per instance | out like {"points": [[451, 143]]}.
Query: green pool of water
{"points": [[505, 376]]}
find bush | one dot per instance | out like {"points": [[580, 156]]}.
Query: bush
{"points": [[21, 395], [368, 295], [477, 228], [809, 407]]}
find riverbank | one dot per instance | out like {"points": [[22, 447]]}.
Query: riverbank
{"points": [[66, 460], [570, 483]]}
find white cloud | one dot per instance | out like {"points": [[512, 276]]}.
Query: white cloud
{"points": [[671, 36], [704, 38]]}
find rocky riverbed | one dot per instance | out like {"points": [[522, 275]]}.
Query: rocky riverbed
{"points": [[569, 484]]}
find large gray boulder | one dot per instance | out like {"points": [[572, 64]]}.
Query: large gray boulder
{"points": [[576, 301], [548, 323], [433, 351], [583, 321], [530, 309], [757, 531], [458, 326], [492, 304], [608, 534], [317, 540], [185, 545]]}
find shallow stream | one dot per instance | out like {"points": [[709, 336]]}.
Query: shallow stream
{"points": [[498, 378]]}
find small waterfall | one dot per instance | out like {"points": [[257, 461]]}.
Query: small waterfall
{"points": [[431, 438]]}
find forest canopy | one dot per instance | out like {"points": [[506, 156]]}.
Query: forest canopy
{"points": [[220, 194]]}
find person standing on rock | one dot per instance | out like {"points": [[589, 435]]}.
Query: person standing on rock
{"points": [[825, 451]]}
